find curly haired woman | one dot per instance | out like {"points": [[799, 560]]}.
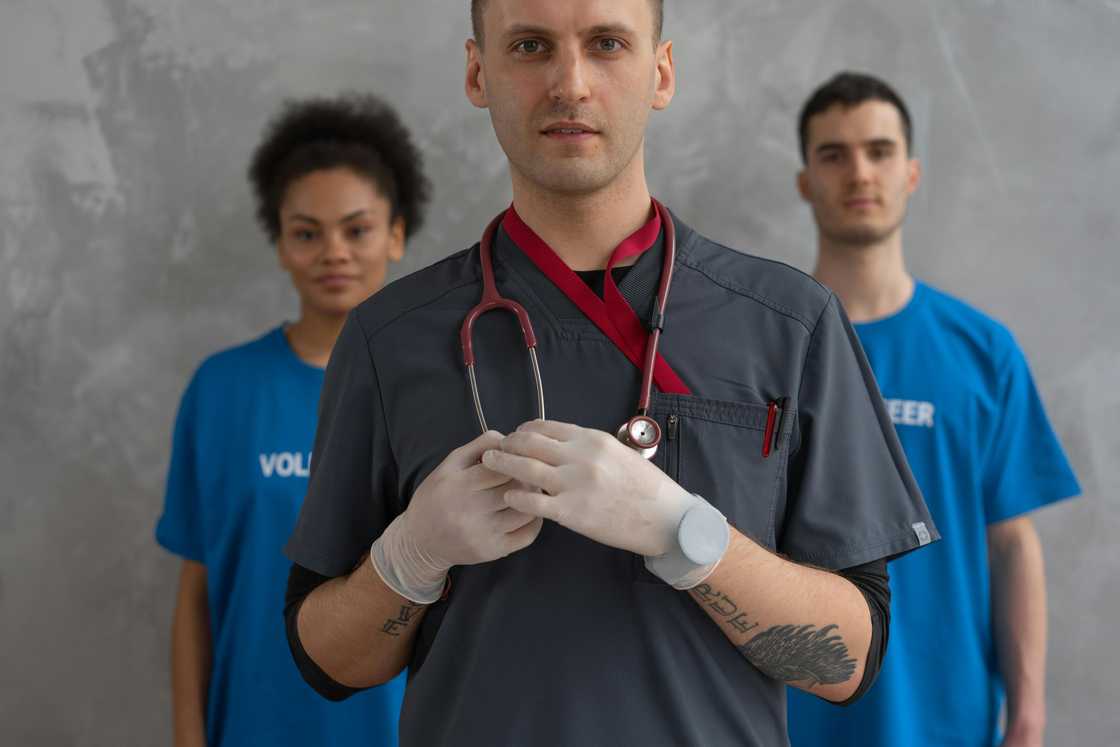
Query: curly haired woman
{"points": [[339, 188]]}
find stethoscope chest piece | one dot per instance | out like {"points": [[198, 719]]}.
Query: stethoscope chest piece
{"points": [[641, 433]]}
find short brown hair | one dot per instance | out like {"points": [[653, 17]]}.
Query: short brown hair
{"points": [[478, 7], [848, 89]]}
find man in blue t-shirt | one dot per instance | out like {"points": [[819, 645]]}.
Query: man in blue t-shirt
{"points": [[969, 614]]}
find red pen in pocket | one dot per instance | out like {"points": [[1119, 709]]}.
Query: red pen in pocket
{"points": [[768, 435], [773, 433]]}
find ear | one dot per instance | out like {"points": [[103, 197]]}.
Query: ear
{"points": [[803, 185], [914, 177], [396, 239], [476, 77], [666, 82]]}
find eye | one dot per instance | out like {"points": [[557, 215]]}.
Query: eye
{"points": [[529, 47], [608, 44], [303, 235], [357, 232]]}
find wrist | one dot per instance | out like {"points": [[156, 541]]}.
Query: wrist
{"points": [[405, 567], [700, 540], [673, 503], [1026, 723]]}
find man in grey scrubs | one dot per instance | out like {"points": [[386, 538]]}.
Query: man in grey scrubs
{"points": [[551, 586]]}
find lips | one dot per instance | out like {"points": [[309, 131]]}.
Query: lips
{"points": [[569, 129], [335, 281], [861, 202]]}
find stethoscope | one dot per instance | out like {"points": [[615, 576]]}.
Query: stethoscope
{"points": [[641, 432]]}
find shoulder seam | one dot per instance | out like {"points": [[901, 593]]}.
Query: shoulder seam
{"points": [[741, 291], [380, 398], [381, 327], [809, 347], [370, 334]]}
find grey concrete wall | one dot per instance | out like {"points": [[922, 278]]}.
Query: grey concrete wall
{"points": [[129, 252]]}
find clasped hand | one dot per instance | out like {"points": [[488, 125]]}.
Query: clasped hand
{"points": [[592, 483]]}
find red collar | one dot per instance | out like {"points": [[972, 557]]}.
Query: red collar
{"points": [[611, 314]]}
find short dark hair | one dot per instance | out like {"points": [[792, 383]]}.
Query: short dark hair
{"points": [[848, 89], [478, 7], [355, 131]]}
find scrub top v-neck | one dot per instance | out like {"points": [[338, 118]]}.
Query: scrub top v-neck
{"points": [[570, 642]]}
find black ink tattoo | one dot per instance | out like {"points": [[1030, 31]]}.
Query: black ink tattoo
{"points": [[741, 624], [721, 604], [703, 592], [408, 613], [788, 653], [791, 653], [725, 607]]}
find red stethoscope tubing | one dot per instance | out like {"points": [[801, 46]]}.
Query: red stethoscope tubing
{"points": [[662, 299], [493, 300]]}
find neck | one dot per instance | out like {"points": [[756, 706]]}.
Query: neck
{"points": [[585, 229], [871, 279], [313, 336]]}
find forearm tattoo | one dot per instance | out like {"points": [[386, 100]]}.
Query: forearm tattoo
{"points": [[792, 653], [404, 618], [801, 654]]}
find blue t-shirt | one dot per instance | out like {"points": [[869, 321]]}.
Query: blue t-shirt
{"points": [[235, 486], [982, 450]]}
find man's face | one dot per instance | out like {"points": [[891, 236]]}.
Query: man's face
{"points": [[570, 86], [859, 176]]}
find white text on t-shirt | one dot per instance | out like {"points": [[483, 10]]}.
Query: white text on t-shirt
{"points": [[285, 464], [910, 412]]}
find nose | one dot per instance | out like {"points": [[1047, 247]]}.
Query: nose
{"points": [[336, 250], [862, 168], [570, 83]]}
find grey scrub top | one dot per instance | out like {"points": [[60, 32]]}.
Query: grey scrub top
{"points": [[570, 642]]}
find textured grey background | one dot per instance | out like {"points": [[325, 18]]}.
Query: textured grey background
{"points": [[128, 253]]}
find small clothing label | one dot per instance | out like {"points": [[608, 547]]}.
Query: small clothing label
{"points": [[922, 533]]}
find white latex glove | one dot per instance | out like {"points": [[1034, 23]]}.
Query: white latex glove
{"points": [[458, 516], [593, 484]]}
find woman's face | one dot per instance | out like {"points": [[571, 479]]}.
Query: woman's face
{"points": [[337, 238]]}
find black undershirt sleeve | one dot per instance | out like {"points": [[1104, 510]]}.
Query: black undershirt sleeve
{"points": [[301, 582], [873, 582]]}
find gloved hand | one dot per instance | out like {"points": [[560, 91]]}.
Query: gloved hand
{"points": [[593, 484], [458, 516]]}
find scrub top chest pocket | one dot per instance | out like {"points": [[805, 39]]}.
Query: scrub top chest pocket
{"points": [[734, 454]]}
